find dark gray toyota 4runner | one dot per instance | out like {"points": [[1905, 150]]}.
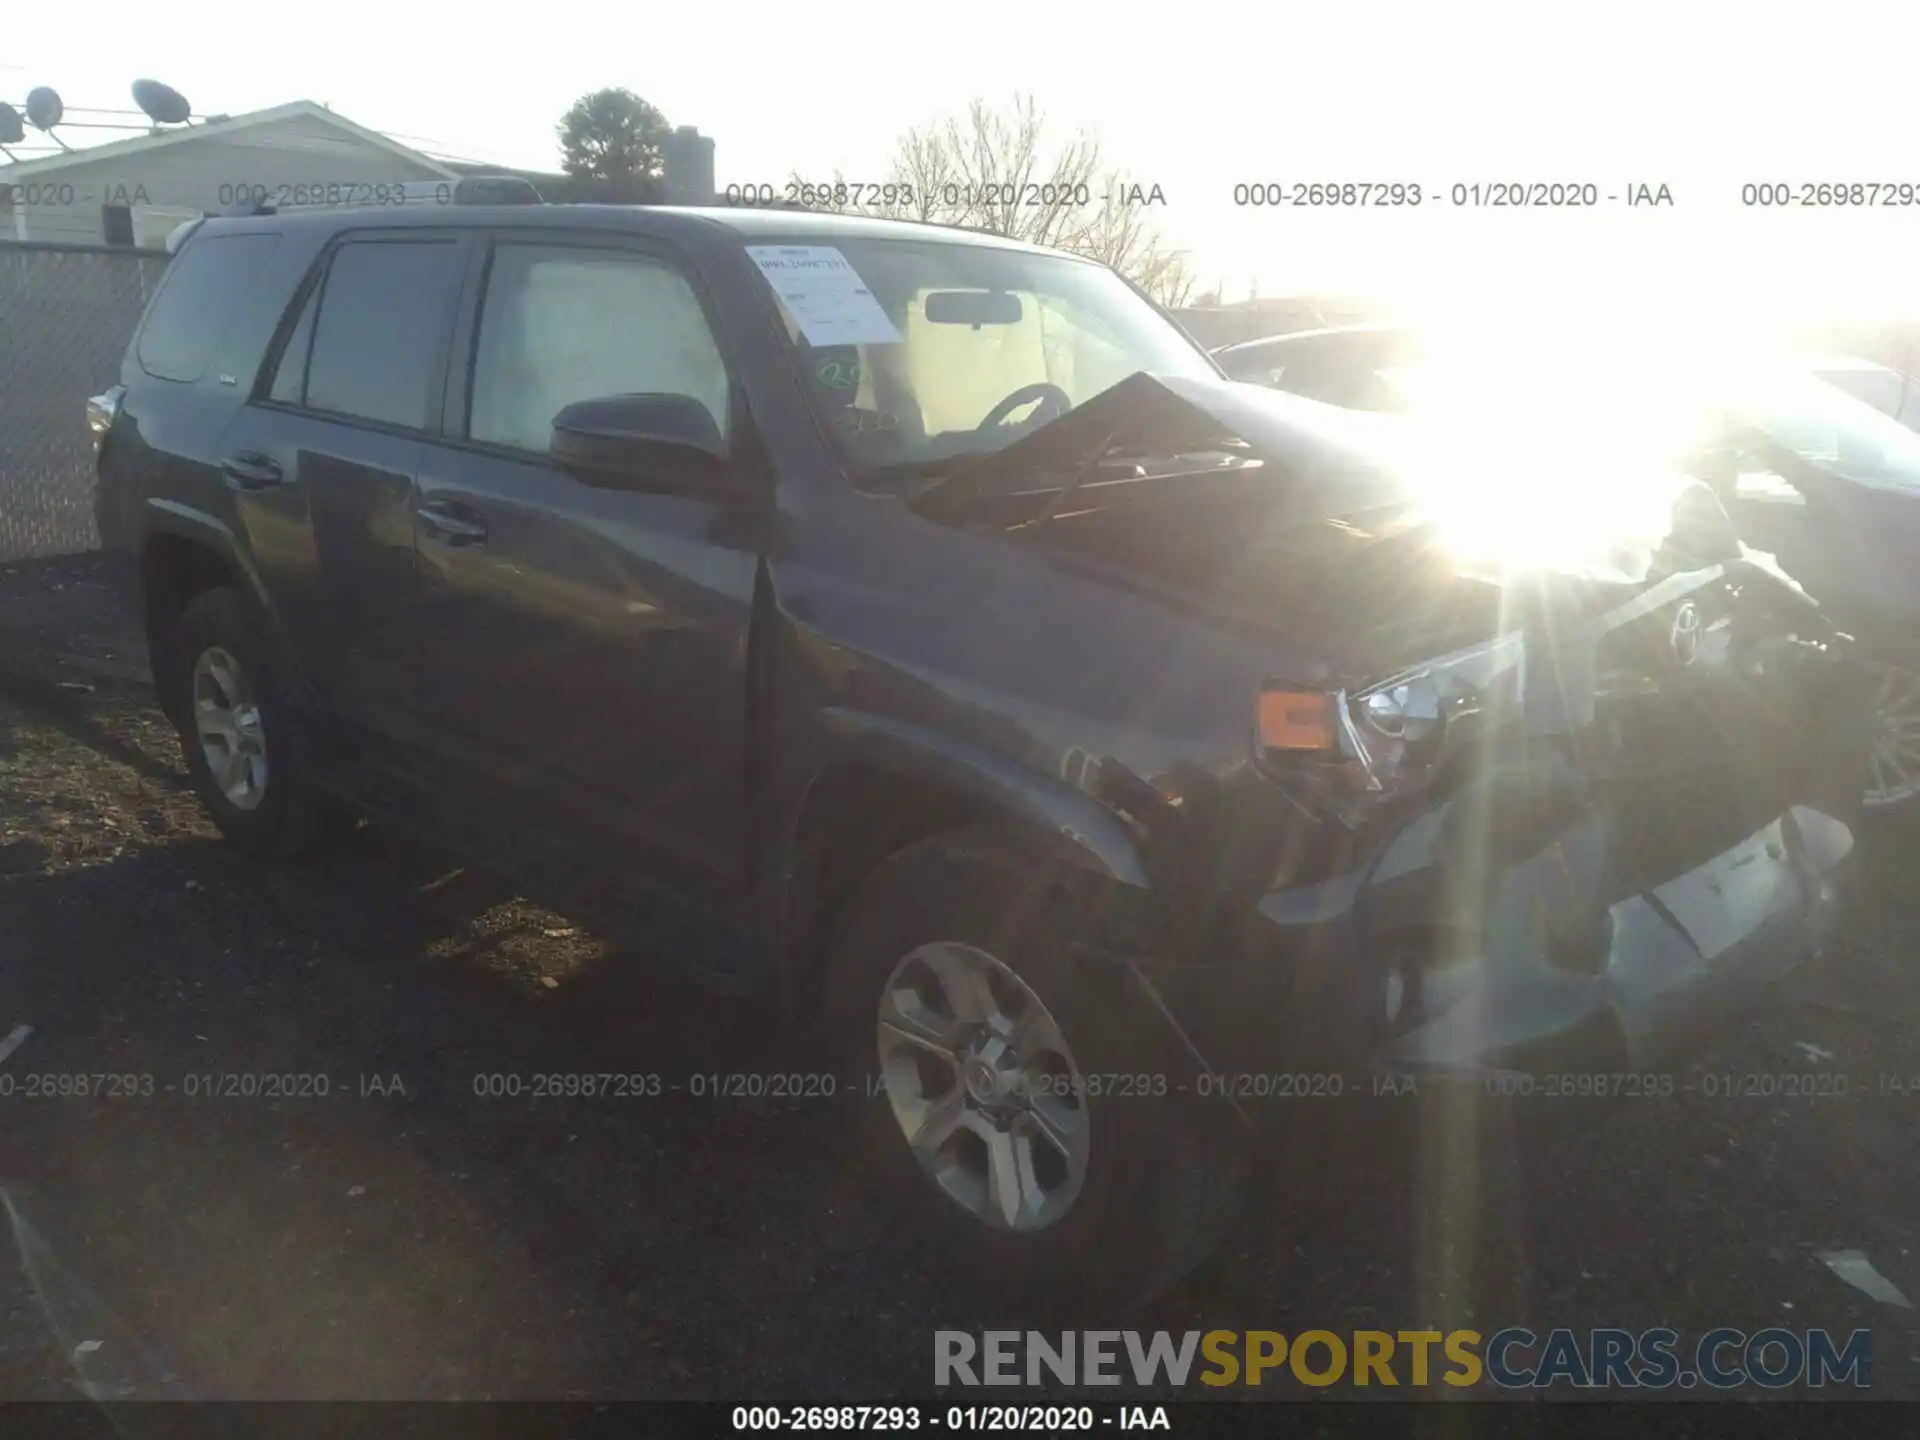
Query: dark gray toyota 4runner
{"points": [[1110, 756]]}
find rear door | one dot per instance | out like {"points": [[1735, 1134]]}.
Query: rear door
{"points": [[180, 394], [324, 456], [585, 646]]}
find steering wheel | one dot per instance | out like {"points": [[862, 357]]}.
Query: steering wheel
{"points": [[1042, 390]]}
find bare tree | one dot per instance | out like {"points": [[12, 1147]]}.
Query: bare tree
{"points": [[923, 174], [1000, 170], [1009, 183], [1119, 231]]}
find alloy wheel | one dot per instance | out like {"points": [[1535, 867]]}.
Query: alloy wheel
{"points": [[1895, 757], [226, 718], [983, 1086]]}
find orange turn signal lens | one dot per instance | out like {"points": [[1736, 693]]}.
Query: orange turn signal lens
{"points": [[1296, 720]]}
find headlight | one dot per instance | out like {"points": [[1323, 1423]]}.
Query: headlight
{"points": [[1403, 710], [1341, 750], [1414, 702]]}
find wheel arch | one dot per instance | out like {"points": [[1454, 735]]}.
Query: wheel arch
{"points": [[183, 554], [891, 784]]}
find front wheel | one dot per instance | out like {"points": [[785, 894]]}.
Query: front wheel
{"points": [[1020, 1120]]}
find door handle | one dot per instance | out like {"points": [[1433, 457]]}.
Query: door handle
{"points": [[250, 470], [454, 524]]}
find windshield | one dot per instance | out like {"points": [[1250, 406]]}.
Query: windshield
{"points": [[1833, 430], [966, 328]]}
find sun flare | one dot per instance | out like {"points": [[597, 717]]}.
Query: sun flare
{"points": [[1547, 445]]}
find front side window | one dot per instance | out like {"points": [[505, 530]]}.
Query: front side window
{"points": [[562, 324], [384, 310], [971, 327]]}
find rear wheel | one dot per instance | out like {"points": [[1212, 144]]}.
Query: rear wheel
{"points": [[221, 688], [1026, 1125]]}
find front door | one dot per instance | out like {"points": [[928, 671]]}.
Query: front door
{"points": [[588, 645]]}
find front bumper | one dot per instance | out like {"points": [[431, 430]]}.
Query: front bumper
{"points": [[1611, 938], [1624, 848], [1681, 959]]}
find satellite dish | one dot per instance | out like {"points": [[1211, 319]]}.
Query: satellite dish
{"points": [[44, 108], [164, 104], [11, 130]]}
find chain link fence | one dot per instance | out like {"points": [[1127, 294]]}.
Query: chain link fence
{"points": [[65, 315]]}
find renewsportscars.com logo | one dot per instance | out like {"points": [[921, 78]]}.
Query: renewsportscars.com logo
{"points": [[1511, 1359]]}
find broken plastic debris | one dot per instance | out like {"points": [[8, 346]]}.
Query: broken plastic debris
{"points": [[557, 932], [549, 982], [16, 1037], [1812, 1051], [1854, 1268], [85, 1347]]}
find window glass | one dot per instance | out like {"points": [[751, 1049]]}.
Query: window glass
{"points": [[116, 224], [376, 344], [1876, 385], [197, 301], [1007, 319], [290, 380], [1832, 431], [565, 324]]}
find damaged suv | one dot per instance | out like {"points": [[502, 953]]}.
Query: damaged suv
{"points": [[920, 630]]}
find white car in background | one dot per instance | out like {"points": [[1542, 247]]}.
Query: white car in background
{"points": [[1888, 390]]}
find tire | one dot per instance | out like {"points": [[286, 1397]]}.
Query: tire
{"points": [[282, 816], [1898, 670], [1163, 1174]]}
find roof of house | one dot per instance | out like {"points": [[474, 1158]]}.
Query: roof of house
{"points": [[480, 167], [180, 135]]}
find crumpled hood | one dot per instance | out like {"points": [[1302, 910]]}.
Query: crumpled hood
{"points": [[1248, 455], [1165, 417], [1359, 534]]}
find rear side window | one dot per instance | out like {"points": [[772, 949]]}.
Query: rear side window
{"points": [[377, 337], [198, 299]]}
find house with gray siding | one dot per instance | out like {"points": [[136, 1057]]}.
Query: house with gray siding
{"points": [[133, 192]]}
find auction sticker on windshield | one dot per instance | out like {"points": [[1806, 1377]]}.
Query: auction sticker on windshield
{"points": [[825, 295]]}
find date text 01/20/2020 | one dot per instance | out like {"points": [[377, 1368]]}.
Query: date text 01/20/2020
{"points": [[1042, 1419]]}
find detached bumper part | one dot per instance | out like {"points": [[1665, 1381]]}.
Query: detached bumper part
{"points": [[1683, 957]]}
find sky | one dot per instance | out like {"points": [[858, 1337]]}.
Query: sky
{"points": [[1197, 98]]}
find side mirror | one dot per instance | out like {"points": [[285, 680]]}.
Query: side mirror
{"points": [[631, 440]]}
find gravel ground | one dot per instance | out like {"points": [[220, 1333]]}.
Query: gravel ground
{"points": [[403, 1237]]}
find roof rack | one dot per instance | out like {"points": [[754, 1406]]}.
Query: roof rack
{"points": [[377, 195]]}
